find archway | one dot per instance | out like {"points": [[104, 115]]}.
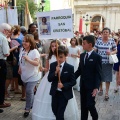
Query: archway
{"points": [[96, 22]]}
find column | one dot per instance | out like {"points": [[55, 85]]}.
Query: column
{"points": [[117, 25], [107, 22]]}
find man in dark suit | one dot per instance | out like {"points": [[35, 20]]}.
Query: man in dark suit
{"points": [[61, 91], [90, 69]]}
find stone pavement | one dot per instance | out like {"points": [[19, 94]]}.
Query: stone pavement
{"points": [[108, 110]]}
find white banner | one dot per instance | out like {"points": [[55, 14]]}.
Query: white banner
{"points": [[55, 24], [12, 16], [2, 16]]}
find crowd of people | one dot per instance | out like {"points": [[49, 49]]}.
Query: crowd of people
{"points": [[81, 63]]}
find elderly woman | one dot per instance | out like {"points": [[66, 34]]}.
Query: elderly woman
{"points": [[106, 46]]}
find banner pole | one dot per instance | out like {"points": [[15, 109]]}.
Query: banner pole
{"points": [[6, 7], [58, 61]]}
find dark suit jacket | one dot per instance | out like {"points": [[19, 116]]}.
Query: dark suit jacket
{"points": [[67, 78], [90, 71]]}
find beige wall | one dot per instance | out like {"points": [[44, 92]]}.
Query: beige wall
{"points": [[61, 4]]}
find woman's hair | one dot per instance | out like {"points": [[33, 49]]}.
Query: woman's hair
{"points": [[31, 26], [50, 50], [106, 28], [30, 38], [80, 41], [35, 34], [43, 19], [16, 29], [75, 39]]}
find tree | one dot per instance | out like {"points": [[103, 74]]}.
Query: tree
{"points": [[32, 7]]}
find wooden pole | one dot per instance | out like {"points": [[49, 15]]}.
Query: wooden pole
{"points": [[6, 7], [58, 61]]}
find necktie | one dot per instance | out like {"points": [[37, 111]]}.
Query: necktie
{"points": [[86, 57]]}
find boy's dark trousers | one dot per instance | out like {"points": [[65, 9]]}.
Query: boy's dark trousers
{"points": [[60, 98], [59, 103], [87, 104], [90, 70]]}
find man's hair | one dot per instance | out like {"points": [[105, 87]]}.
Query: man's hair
{"points": [[90, 39], [23, 30], [5, 26], [62, 50]]}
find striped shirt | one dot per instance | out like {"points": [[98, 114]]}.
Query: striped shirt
{"points": [[103, 47]]}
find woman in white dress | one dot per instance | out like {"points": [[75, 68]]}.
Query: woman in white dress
{"points": [[42, 103], [73, 58]]}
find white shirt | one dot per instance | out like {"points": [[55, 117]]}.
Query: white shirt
{"points": [[4, 47], [60, 73], [89, 53], [29, 72]]}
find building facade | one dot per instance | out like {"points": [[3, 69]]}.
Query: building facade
{"points": [[93, 15]]}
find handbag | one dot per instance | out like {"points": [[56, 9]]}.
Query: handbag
{"points": [[113, 59]]}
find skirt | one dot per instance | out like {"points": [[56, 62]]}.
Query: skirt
{"points": [[9, 70], [116, 66], [107, 72]]}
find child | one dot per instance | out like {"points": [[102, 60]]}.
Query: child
{"points": [[42, 103], [73, 58], [90, 69], [61, 91]]}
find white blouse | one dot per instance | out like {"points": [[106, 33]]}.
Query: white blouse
{"points": [[29, 72]]}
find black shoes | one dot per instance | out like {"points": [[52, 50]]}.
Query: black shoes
{"points": [[26, 114], [1, 110]]}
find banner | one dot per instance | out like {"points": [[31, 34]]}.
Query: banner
{"points": [[3, 16], [55, 24], [28, 19], [12, 16]]}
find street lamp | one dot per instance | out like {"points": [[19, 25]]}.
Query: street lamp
{"points": [[87, 19], [42, 5]]}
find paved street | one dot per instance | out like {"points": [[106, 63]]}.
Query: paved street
{"points": [[107, 110]]}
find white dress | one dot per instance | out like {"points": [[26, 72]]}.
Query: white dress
{"points": [[42, 103], [74, 62]]}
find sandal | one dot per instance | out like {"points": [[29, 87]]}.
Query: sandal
{"points": [[7, 97], [100, 93], [106, 97]]}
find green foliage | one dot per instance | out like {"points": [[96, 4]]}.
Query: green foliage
{"points": [[32, 6], [47, 5]]}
